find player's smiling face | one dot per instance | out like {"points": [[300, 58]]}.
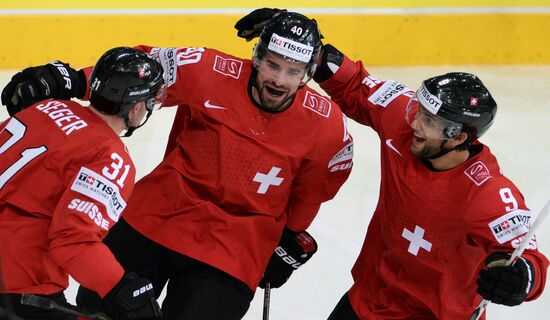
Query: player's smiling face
{"points": [[425, 147], [277, 81], [426, 127]]}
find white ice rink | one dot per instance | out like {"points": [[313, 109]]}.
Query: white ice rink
{"points": [[519, 138]]}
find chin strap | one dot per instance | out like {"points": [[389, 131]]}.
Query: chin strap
{"points": [[130, 130], [441, 152]]}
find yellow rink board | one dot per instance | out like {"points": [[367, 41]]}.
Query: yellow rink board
{"points": [[11, 4], [409, 38]]}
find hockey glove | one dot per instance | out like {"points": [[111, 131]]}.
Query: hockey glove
{"points": [[132, 298], [331, 60], [508, 285], [251, 25], [54, 80], [294, 249]]}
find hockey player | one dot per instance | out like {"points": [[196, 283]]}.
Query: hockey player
{"points": [[65, 178], [447, 219], [252, 154]]}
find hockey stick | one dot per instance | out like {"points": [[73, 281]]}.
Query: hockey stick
{"points": [[518, 252], [49, 304], [267, 296]]}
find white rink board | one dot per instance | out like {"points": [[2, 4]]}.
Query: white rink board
{"points": [[519, 138]]}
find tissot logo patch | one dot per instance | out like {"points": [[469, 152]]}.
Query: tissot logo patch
{"points": [[478, 173], [511, 225], [387, 93], [228, 67], [317, 103], [167, 57], [343, 155], [97, 187], [289, 48]]}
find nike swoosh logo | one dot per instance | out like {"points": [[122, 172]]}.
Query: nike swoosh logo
{"points": [[212, 106], [391, 146]]}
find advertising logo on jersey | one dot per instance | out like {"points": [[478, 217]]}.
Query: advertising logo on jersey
{"points": [[290, 49], [478, 173], [99, 188], [428, 101], [346, 154], [531, 245], [168, 60], [91, 210], [511, 225], [227, 66], [317, 103], [387, 93], [371, 81]]}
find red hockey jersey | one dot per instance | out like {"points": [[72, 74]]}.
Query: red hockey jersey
{"points": [[65, 177], [431, 231], [233, 175]]}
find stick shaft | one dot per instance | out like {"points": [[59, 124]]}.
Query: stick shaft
{"points": [[267, 299]]}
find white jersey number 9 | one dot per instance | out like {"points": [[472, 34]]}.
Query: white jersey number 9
{"points": [[507, 197]]}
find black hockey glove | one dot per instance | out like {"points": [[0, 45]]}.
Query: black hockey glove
{"points": [[508, 285], [54, 80], [331, 60], [132, 298], [251, 25], [294, 249]]}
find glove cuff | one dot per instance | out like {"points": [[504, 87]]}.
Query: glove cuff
{"points": [[530, 270], [82, 84]]}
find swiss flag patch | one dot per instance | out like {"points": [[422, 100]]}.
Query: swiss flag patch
{"points": [[317, 103], [478, 173], [227, 66]]}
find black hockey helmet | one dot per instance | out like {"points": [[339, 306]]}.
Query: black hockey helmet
{"points": [[461, 100], [293, 36], [122, 77]]}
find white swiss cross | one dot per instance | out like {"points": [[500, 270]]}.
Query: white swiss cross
{"points": [[417, 240], [266, 180]]}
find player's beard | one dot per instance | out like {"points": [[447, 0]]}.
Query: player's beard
{"points": [[426, 148], [272, 97]]}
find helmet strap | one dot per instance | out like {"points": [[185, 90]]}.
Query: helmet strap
{"points": [[441, 152], [130, 129]]}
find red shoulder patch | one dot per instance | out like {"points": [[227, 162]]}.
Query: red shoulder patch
{"points": [[317, 103], [227, 66], [478, 173]]}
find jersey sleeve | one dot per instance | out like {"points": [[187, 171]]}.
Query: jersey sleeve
{"points": [[500, 221], [92, 203], [320, 176], [363, 97], [183, 70]]}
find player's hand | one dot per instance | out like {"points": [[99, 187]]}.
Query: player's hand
{"points": [[251, 25], [328, 63], [294, 249], [54, 80], [508, 285], [132, 298]]}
